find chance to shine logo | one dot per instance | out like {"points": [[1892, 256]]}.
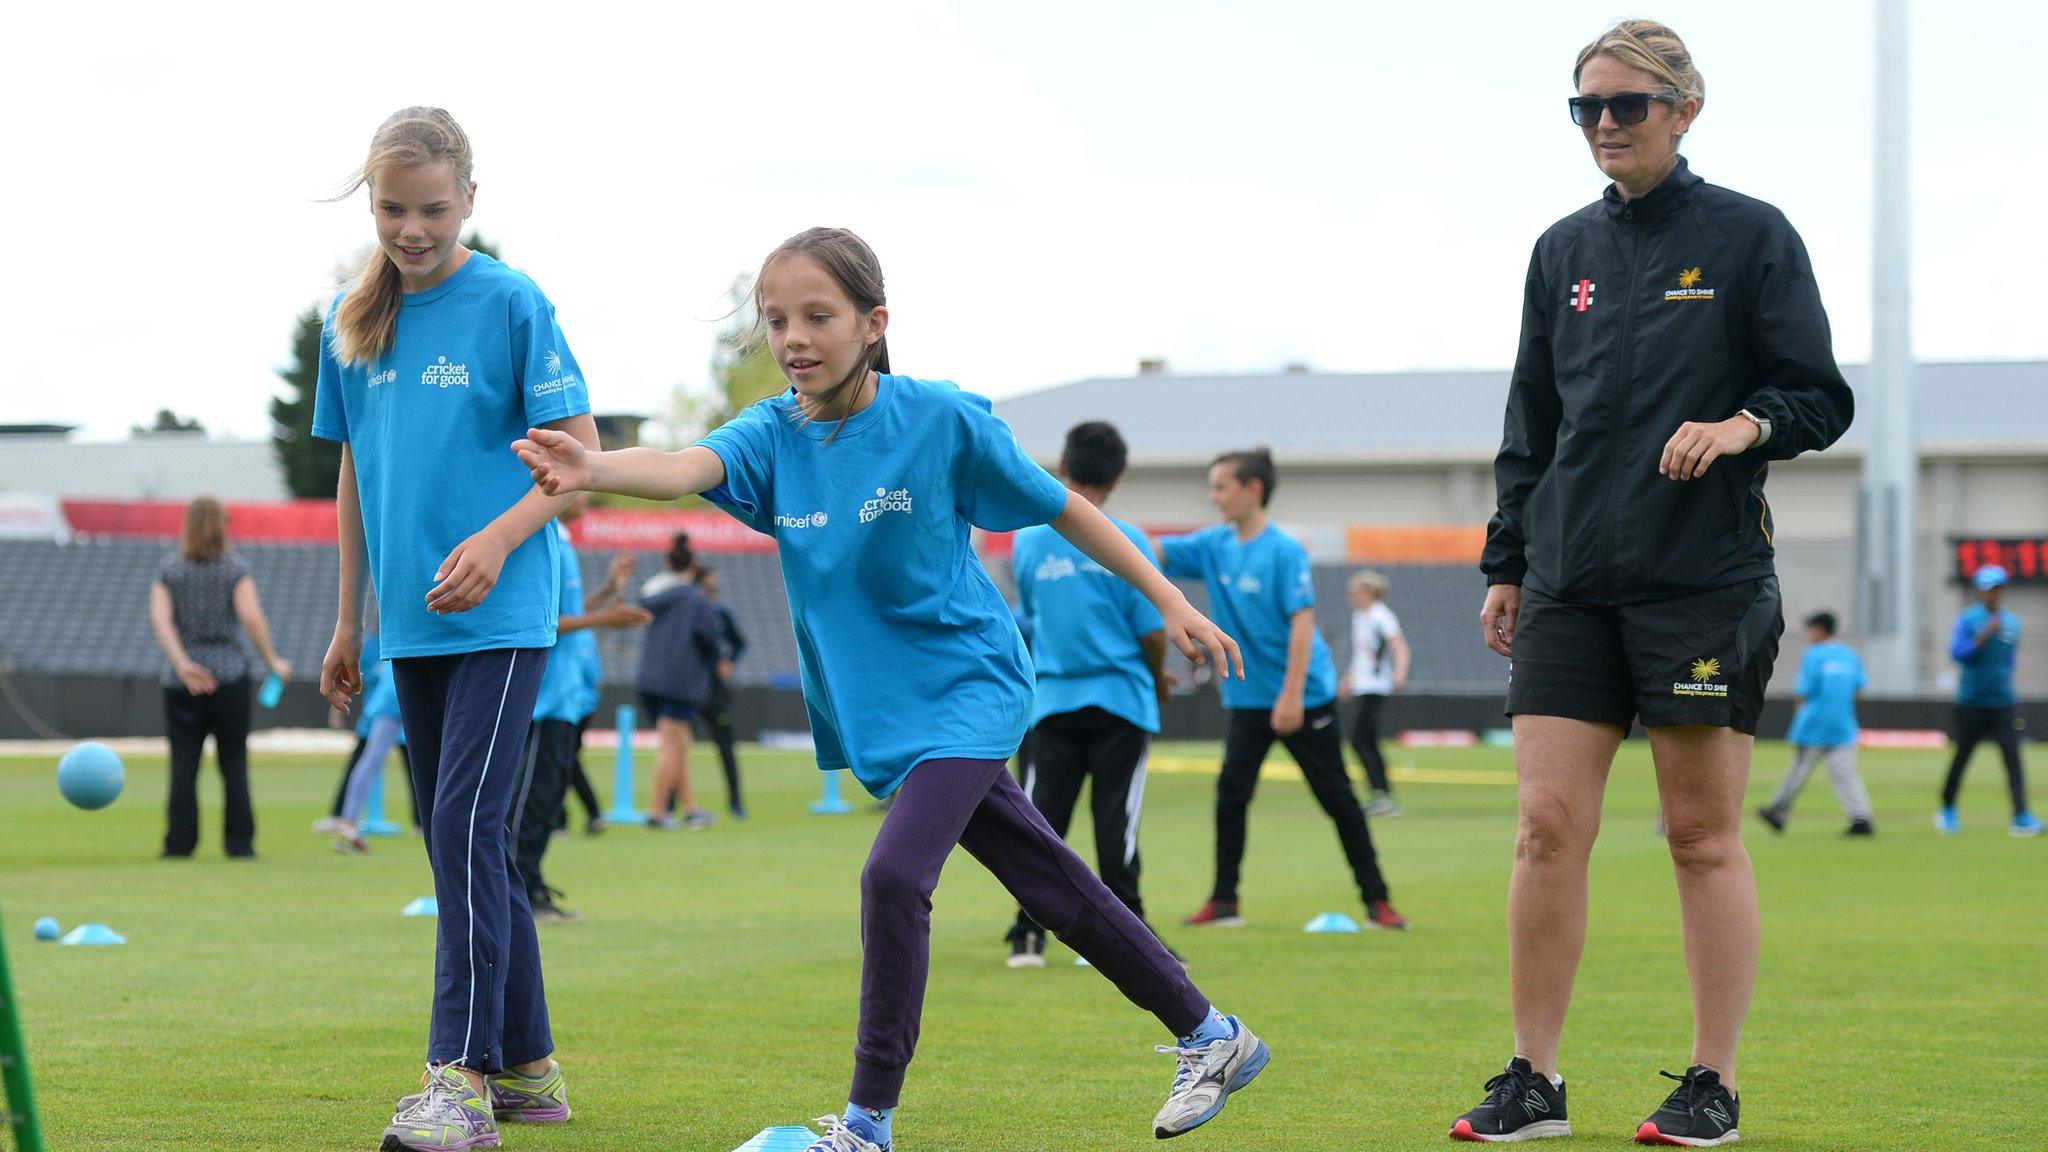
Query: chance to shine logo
{"points": [[1689, 287], [1704, 672]]}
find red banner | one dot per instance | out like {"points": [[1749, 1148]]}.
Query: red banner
{"points": [[650, 530], [313, 522], [309, 521]]}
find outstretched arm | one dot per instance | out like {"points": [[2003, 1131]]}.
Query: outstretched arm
{"points": [[1085, 527], [561, 464]]}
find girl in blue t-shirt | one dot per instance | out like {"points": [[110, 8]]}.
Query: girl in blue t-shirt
{"points": [[913, 672], [431, 358]]}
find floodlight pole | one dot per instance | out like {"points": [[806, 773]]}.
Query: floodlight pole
{"points": [[1887, 560]]}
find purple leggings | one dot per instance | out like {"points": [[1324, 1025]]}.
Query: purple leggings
{"points": [[977, 805]]}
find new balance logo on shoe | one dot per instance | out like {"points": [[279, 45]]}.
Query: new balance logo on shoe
{"points": [[1535, 1103], [1715, 1113]]}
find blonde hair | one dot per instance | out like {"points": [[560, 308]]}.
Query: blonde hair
{"points": [[367, 321], [1370, 581], [1648, 46], [205, 533]]}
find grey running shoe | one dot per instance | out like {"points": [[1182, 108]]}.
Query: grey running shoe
{"points": [[697, 819], [1383, 806], [448, 1117], [530, 1099], [839, 1138], [1205, 1077]]}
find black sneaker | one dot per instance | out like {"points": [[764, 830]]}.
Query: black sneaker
{"points": [[1699, 1113], [1520, 1104], [1770, 817], [1861, 828], [546, 911], [1027, 948]]}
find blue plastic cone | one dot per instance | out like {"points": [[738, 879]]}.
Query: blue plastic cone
{"points": [[783, 1138], [93, 934], [1333, 922], [424, 906], [830, 804]]}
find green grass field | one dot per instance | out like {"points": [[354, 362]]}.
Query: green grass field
{"points": [[710, 990]]}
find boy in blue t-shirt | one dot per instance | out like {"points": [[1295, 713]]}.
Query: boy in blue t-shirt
{"points": [[555, 735], [1099, 652], [1261, 592], [1986, 643], [1830, 677]]}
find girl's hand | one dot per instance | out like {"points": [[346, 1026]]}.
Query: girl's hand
{"points": [[196, 679], [282, 668], [624, 616], [559, 462], [1192, 633], [1286, 717], [341, 671], [1497, 617], [469, 573], [1163, 686]]}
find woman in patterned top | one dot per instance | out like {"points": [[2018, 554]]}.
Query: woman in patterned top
{"points": [[202, 602]]}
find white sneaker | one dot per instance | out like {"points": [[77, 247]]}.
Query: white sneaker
{"points": [[839, 1138], [327, 825], [1383, 806], [1206, 1076]]}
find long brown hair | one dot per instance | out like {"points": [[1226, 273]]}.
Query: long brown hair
{"points": [[367, 321], [853, 266], [205, 534]]}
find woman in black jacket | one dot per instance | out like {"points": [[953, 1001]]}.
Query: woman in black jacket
{"points": [[677, 661], [1673, 343]]}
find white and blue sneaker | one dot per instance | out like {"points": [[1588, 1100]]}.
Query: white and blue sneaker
{"points": [[839, 1138], [1947, 822], [2025, 824], [1206, 1076]]}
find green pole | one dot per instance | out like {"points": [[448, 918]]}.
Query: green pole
{"points": [[20, 1113]]}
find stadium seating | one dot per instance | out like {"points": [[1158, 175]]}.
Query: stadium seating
{"points": [[83, 608]]}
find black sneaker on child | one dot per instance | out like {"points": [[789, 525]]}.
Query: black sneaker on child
{"points": [[1699, 1113], [1521, 1104], [546, 911], [1027, 948]]}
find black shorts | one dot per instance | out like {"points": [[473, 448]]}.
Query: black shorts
{"points": [[654, 708], [1702, 658]]}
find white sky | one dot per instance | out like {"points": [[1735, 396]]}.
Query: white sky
{"points": [[1055, 188]]}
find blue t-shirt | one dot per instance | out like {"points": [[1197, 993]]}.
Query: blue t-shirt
{"points": [[906, 651], [1829, 678], [1085, 623], [561, 682], [1255, 588], [589, 670], [1986, 681], [477, 360]]}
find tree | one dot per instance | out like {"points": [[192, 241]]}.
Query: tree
{"points": [[311, 466], [742, 369], [167, 421]]}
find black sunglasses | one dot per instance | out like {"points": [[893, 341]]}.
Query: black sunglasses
{"points": [[1628, 107]]}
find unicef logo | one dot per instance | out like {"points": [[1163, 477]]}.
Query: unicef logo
{"points": [[808, 520]]}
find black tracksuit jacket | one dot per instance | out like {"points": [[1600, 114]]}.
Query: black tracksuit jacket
{"points": [[1690, 303]]}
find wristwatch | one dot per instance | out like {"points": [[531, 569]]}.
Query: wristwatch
{"points": [[1763, 427]]}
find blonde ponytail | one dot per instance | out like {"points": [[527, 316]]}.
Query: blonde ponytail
{"points": [[367, 321]]}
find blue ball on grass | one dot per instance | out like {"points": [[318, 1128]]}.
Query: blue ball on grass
{"points": [[90, 775]]}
